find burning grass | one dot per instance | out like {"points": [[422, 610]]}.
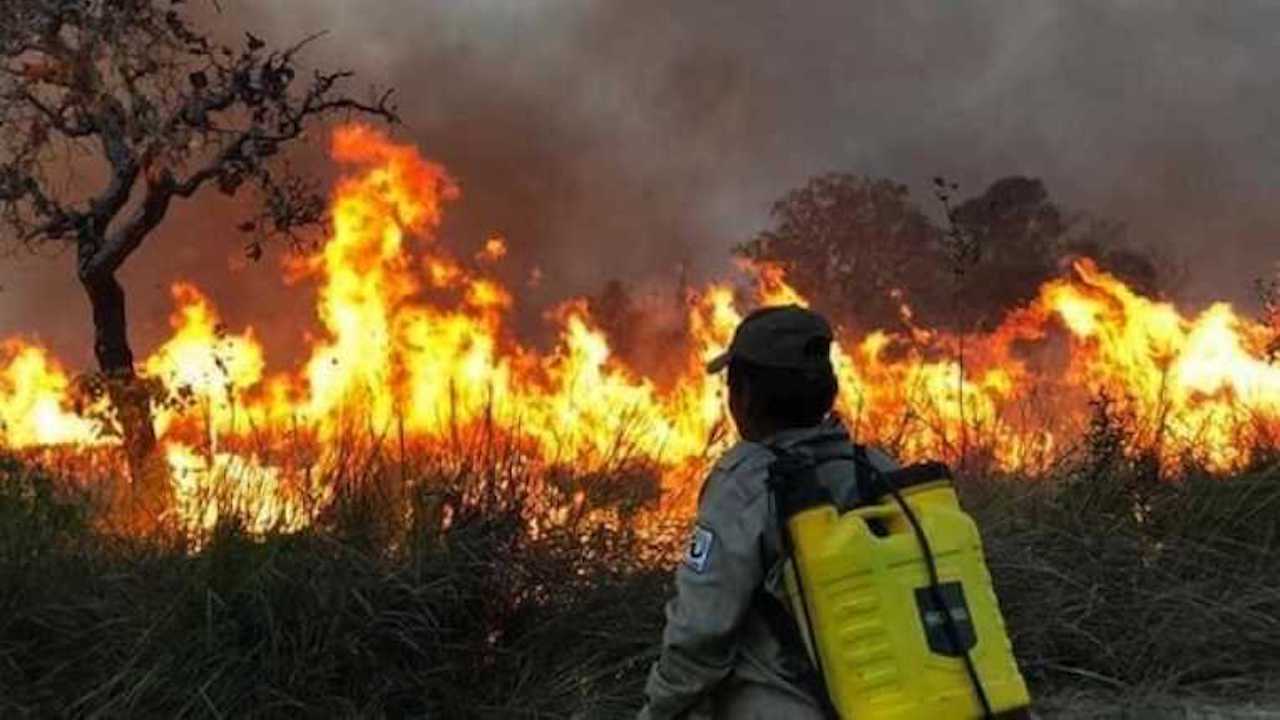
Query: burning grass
{"points": [[430, 517], [413, 341], [446, 606], [443, 585]]}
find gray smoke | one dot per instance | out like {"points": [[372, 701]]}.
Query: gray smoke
{"points": [[609, 138]]}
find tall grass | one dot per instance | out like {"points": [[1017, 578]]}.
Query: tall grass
{"points": [[1131, 586], [366, 613], [420, 588]]}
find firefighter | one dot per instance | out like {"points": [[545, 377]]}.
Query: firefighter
{"points": [[729, 649]]}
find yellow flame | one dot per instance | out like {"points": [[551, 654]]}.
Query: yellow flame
{"points": [[35, 405], [415, 340]]}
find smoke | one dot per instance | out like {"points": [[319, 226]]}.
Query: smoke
{"points": [[612, 139]]}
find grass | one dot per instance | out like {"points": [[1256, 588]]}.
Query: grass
{"points": [[1182, 597], [349, 618], [1115, 586]]}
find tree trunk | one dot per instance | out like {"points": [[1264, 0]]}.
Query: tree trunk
{"points": [[148, 473]]}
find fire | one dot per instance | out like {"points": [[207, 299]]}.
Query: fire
{"points": [[1207, 378], [413, 341], [495, 248], [206, 487], [203, 361], [34, 400]]}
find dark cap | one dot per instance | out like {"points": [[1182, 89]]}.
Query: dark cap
{"points": [[783, 336]]}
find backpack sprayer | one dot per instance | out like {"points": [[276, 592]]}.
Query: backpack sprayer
{"points": [[892, 601]]}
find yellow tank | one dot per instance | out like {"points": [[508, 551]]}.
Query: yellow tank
{"points": [[883, 647]]}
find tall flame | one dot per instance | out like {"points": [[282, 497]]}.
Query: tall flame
{"points": [[413, 340]]}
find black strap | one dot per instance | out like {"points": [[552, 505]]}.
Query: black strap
{"points": [[783, 625], [793, 486], [873, 483], [890, 483], [787, 490]]}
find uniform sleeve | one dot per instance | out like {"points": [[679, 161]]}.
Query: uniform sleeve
{"points": [[715, 586]]}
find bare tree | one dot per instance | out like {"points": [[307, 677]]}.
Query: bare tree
{"points": [[112, 109]]}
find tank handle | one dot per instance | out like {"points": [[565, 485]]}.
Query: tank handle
{"points": [[876, 512]]}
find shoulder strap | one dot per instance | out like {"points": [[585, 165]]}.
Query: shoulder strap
{"points": [[875, 484], [782, 623], [792, 486]]}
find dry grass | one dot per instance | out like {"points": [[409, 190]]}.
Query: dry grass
{"points": [[367, 613], [419, 591], [1176, 591]]}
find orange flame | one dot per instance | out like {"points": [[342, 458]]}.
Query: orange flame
{"points": [[35, 408], [390, 360]]}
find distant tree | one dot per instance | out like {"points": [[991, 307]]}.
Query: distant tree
{"points": [[1105, 242], [1016, 231], [112, 109], [1023, 238], [848, 243], [1136, 268]]}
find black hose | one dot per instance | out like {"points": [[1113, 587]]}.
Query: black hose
{"points": [[935, 592], [879, 483]]}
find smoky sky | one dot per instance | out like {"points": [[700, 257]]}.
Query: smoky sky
{"points": [[630, 139]]}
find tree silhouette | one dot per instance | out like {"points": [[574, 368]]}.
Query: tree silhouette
{"points": [[851, 244], [859, 247], [1016, 232], [145, 109]]}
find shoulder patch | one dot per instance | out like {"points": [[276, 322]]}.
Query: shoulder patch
{"points": [[698, 554]]}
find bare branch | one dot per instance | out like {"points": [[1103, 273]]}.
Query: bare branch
{"points": [[170, 112], [26, 207], [218, 167], [104, 260], [297, 47], [71, 128], [124, 169]]}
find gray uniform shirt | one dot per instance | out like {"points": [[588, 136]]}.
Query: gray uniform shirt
{"points": [[720, 658]]}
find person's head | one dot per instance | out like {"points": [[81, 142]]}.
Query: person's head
{"points": [[780, 373]]}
